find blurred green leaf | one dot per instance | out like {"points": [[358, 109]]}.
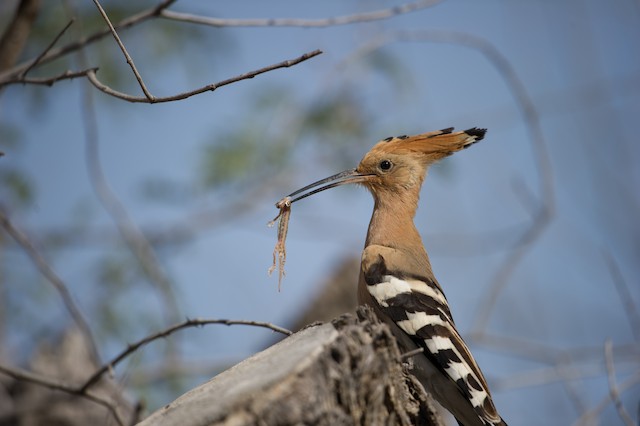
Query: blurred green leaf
{"points": [[336, 117], [114, 273], [15, 187], [230, 158], [10, 137], [391, 69], [161, 189]]}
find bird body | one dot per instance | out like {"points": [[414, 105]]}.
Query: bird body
{"points": [[396, 277]]}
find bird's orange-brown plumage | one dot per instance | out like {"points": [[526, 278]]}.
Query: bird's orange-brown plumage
{"points": [[396, 277]]}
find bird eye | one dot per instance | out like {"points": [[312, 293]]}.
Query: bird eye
{"points": [[385, 165]]}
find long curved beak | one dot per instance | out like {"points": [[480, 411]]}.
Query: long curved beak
{"points": [[342, 178]]}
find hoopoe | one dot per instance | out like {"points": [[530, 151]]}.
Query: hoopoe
{"points": [[396, 278]]}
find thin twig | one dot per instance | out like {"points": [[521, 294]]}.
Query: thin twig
{"points": [[375, 15], [47, 49], [164, 333], [614, 393], [47, 81], [37, 379], [47, 271], [91, 75], [411, 353], [128, 57]]}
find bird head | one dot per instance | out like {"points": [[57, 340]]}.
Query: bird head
{"points": [[397, 165]]}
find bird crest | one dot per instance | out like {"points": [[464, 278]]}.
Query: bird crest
{"points": [[432, 146]]}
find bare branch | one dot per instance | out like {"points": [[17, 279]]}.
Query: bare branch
{"points": [[543, 353], [545, 376], [47, 81], [614, 393], [164, 333], [375, 15], [37, 379], [516, 347], [17, 75], [53, 278], [128, 57], [91, 75], [586, 418], [47, 49]]}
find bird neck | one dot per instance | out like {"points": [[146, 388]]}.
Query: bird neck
{"points": [[392, 225]]}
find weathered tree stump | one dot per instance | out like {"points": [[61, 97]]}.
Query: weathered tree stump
{"points": [[347, 372]]}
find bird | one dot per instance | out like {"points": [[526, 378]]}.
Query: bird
{"points": [[396, 278]]}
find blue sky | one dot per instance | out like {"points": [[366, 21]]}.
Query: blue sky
{"points": [[580, 64]]}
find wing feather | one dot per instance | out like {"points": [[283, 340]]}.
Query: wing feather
{"points": [[420, 309]]}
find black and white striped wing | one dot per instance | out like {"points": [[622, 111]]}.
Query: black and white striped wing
{"points": [[418, 307]]}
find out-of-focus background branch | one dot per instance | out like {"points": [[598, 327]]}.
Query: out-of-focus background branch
{"points": [[16, 34], [532, 233]]}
